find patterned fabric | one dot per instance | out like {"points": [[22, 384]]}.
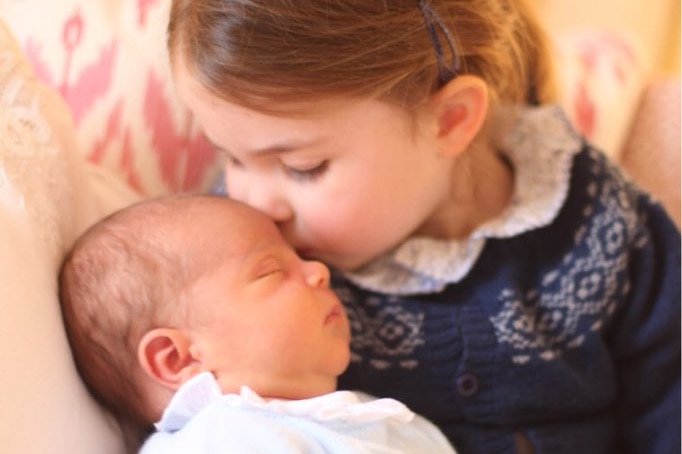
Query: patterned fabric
{"points": [[33, 170], [601, 74], [107, 59], [552, 332]]}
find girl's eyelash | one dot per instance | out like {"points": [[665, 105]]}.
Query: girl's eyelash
{"points": [[307, 174], [231, 159]]}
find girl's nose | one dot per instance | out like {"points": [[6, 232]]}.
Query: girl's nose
{"points": [[271, 203], [316, 273]]}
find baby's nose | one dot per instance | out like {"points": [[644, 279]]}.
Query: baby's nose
{"points": [[316, 274]]}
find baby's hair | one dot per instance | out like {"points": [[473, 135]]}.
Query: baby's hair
{"points": [[124, 276], [254, 52]]}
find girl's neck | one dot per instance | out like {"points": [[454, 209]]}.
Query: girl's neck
{"points": [[481, 188]]}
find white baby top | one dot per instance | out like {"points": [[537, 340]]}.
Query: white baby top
{"points": [[200, 419]]}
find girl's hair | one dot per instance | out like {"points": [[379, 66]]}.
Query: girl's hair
{"points": [[254, 52], [122, 278]]}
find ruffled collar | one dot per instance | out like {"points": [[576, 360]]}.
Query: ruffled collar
{"points": [[202, 390], [540, 146]]}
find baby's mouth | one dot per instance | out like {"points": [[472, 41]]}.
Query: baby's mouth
{"points": [[334, 314]]}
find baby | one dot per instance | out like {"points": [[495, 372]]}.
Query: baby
{"points": [[232, 345]]}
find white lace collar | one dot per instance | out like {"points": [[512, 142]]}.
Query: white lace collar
{"points": [[202, 390], [540, 146]]}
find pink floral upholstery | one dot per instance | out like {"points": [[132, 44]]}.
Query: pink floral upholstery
{"points": [[107, 59], [601, 77]]}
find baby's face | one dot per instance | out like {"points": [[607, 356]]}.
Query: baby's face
{"points": [[261, 316]]}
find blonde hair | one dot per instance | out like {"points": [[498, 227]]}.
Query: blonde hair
{"points": [[124, 276], [257, 51]]}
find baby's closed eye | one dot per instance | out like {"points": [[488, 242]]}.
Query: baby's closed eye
{"points": [[269, 267]]}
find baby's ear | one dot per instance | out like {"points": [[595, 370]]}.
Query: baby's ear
{"points": [[460, 109], [165, 356]]}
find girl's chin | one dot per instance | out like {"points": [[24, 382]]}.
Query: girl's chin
{"points": [[342, 263]]}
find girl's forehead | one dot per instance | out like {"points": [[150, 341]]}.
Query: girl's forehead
{"points": [[238, 129], [204, 103]]}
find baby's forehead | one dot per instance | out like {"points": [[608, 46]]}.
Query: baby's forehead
{"points": [[229, 224], [238, 219]]}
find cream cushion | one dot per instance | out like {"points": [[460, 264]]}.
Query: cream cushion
{"points": [[48, 195]]}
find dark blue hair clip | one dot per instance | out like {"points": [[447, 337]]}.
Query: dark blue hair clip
{"points": [[434, 23]]}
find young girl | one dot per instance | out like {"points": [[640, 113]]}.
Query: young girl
{"points": [[501, 276]]}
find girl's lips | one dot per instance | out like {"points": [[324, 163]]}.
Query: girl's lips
{"points": [[304, 253]]}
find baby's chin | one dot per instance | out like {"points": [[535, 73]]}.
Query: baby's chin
{"points": [[298, 392]]}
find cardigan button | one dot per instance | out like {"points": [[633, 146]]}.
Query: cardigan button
{"points": [[467, 385]]}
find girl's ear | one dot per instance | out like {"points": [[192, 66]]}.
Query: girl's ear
{"points": [[460, 108], [165, 356]]}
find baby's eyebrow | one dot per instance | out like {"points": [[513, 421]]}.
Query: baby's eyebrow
{"points": [[258, 257], [267, 264]]}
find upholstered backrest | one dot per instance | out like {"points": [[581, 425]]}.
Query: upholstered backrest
{"points": [[48, 195], [107, 58]]}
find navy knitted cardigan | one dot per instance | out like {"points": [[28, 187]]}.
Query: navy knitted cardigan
{"points": [[566, 337]]}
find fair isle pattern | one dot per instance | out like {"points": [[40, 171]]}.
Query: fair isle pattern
{"points": [[384, 328], [574, 298], [391, 331], [568, 301]]}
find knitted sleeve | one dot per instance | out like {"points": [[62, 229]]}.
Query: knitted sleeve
{"points": [[646, 337]]}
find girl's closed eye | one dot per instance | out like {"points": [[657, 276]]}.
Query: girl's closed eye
{"points": [[220, 150], [231, 160], [306, 172]]}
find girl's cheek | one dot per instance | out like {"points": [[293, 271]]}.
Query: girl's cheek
{"points": [[234, 187], [329, 228]]}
